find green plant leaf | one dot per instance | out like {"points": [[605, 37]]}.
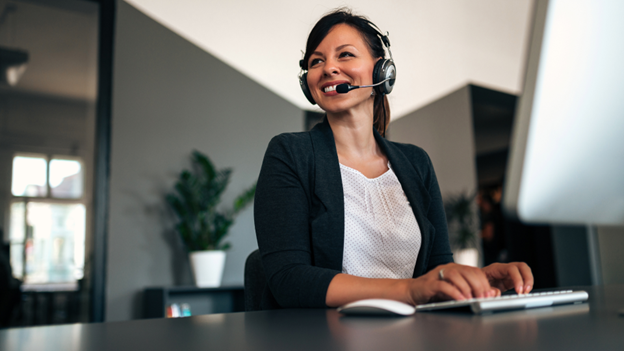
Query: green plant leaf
{"points": [[207, 167], [460, 218], [195, 200], [244, 199]]}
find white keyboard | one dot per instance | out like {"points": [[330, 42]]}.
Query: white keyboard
{"points": [[511, 302]]}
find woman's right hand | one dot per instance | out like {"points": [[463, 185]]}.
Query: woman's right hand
{"points": [[459, 283]]}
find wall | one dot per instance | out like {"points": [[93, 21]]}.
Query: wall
{"points": [[571, 255], [444, 129], [170, 97], [611, 243]]}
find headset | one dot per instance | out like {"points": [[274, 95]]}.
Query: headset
{"points": [[384, 75]]}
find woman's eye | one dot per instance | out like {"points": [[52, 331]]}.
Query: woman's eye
{"points": [[346, 54], [314, 62]]}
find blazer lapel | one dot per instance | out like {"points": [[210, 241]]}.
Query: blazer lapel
{"points": [[327, 223], [417, 195]]}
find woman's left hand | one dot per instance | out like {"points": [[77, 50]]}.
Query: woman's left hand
{"points": [[514, 275]]}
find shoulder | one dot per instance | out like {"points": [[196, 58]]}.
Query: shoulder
{"points": [[288, 161], [291, 150], [417, 156], [290, 143], [292, 138]]}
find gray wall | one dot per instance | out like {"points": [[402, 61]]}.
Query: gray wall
{"points": [[611, 245], [444, 129], [571, 255], [170, 97], [573, 259]]}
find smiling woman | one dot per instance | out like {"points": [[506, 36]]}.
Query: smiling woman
{"points": [[334, 63], [343, 214], [358, 39]]}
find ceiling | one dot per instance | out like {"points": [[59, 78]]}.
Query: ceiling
{"points": [[61, 38], [437, 46]]}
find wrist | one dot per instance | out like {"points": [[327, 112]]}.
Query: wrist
{"points": [[405, 291]]}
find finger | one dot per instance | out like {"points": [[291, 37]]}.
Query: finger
{"points": [[448, 290], [504, 276], [454, 277], [498, 276], [513, 274], [527, 276], [501, 285], [495, 292], [477, 280]]}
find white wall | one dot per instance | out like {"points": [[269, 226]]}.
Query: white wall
{"points": [[170, 97], [438, 46]]}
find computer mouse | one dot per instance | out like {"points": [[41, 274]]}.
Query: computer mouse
{"points": [[380, 307]]}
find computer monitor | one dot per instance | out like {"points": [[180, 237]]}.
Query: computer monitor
{"points": [[566, 161]]}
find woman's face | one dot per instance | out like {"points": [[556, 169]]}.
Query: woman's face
{"points": [[342, 57]]}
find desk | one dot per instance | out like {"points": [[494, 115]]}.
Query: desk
{"points": [[592, 326]]}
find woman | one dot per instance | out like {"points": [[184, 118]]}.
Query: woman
{"points": [[341, 213]]}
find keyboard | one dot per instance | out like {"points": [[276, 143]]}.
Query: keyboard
{"points": [[510, 302]]}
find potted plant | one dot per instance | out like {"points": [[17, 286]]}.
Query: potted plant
{"points": [[202, 225], [462, 226]]}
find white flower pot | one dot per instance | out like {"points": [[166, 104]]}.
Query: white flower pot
{"points": [[468, 257], [207, 267]]}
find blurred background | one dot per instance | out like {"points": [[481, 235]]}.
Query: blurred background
{"points": [[102, 102]]}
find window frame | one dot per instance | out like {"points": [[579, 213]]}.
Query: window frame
{"points": [[48, 158], [82, 200]]}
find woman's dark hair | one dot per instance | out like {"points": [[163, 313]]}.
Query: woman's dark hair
{"points": [[370, 33]]}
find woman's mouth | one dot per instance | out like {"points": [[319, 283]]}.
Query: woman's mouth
{"points": [[330, 88]]}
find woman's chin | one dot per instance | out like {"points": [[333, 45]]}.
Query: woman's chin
{"points": [[342, 107]]}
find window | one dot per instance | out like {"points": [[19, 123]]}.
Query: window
{"points": [[48, 219]]}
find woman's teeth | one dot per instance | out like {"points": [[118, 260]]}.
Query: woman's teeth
{"points": [[330, 88]]}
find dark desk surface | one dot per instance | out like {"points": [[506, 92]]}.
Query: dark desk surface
{"points": [[591, 326]]}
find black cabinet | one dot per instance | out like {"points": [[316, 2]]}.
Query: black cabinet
{"points": [[199, 300]]}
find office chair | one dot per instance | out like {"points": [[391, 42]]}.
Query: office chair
{"points": [[255, 282]]}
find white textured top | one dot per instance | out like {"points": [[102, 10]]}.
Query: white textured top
{"points": [[382, 237]]}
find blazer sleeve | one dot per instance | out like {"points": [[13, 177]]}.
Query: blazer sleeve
{"points": [[281, 216], [441, 251]]}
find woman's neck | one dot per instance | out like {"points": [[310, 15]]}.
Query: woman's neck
{"points": [[354, 137]]}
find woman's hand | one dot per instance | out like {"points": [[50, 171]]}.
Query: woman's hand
{"points": [[514, 275], [457, 282]]}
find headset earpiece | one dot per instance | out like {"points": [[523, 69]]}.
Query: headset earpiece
{"points": [[384, 69], [303, 82]]}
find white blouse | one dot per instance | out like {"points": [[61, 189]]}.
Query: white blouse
{"points": [[382, 238]]}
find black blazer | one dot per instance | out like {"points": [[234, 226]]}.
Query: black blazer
{"points": [[299, 213]]}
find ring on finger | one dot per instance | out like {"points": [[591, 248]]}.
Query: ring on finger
{"points": [[441, 274]]}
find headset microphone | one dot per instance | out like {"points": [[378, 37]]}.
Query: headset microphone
{"points": [[384, 74], [345, 88]]}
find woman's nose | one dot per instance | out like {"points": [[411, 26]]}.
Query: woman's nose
{"points": [[331, 68]]}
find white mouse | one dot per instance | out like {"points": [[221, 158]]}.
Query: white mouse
{"points": [[377, 307]]}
